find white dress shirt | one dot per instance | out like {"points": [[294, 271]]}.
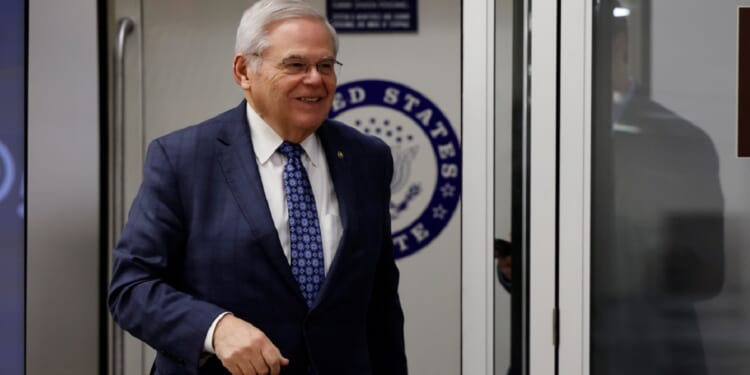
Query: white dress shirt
{"points": [[271, 167]]}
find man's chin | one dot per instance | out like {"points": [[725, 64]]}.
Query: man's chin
{"points": [[310, 123]]}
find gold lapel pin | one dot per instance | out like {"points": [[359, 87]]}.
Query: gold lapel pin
{"points": [[340, 155]]}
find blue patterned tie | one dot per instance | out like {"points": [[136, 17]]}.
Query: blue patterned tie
{"points": [[304, 229]]}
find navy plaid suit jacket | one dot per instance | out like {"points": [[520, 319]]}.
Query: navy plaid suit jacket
{"points": [[200, 240]]}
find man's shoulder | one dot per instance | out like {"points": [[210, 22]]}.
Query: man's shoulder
{"points": [[658, 120], [207, 130]]}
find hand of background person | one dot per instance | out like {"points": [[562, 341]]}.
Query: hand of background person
{"points": [[244, 349]]}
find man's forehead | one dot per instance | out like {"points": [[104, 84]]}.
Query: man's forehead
{"points": [[299, 38], [294, 26], [301, 31]]}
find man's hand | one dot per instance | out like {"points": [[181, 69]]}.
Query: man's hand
{"points": [[244, 349]]}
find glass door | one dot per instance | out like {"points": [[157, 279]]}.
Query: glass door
{"points": [[510, 187], [662, 230]]}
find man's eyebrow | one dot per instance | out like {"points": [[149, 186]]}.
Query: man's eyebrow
{"points": [[294, 56], [300, 57]]}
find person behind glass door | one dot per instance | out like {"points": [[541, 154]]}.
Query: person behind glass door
{"points": [[503, 254], [504, 262], [667, 249], [207, 270]]}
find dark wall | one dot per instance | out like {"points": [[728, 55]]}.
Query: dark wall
{"points": [[12, 160]]}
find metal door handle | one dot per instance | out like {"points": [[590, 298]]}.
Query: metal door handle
{"points": [[124, 27]]}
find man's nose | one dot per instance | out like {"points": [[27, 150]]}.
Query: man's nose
{"points": [[313, 76]]}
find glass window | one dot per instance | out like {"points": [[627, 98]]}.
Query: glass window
{"points": [[670, 208]]}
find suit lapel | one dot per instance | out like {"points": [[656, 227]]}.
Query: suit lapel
{"points": [[341, 161], [237, 159]]}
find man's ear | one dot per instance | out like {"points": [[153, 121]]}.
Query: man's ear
{"points": [[241, 71]]}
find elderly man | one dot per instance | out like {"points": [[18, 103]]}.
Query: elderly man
{"points": [[259, 242]]}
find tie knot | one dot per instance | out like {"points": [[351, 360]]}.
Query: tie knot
{"points": [[291, 150]]}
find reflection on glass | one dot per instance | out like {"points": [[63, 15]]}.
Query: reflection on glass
{"points": [[658, 216], [12, 160]]}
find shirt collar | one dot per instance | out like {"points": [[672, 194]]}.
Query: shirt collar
{"points": [[266, 141]]}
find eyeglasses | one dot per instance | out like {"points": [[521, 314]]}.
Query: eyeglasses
{"points": [[296, 66]]}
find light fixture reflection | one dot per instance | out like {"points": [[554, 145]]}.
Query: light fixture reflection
{"points": [[620, 12]]}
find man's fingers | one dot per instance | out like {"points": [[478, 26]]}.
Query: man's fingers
{"points": [[275, 367], [275, 370], [246, 350], [237, 370], [273, 359], [259, 365]]}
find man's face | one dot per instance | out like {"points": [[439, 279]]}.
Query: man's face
{"points": [[293, 104]]}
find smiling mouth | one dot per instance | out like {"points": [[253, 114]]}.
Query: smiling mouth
{"points": [[309, 99]]}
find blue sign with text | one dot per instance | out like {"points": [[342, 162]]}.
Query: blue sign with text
{"points": [[372, 16]]}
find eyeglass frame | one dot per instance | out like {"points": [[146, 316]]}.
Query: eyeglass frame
{"points": [[285, 66]]}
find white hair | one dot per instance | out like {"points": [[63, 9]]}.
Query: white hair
{"points": [[252, 33]]}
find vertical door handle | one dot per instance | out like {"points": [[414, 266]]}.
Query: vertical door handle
{"points": [[124, 27]]}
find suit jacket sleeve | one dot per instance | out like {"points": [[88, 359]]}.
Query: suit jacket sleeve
{"points": [[385, 316], [145, 295]]}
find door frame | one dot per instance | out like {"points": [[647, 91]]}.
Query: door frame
{"points": [[477, 206], [576, 39], [541, 170]]}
